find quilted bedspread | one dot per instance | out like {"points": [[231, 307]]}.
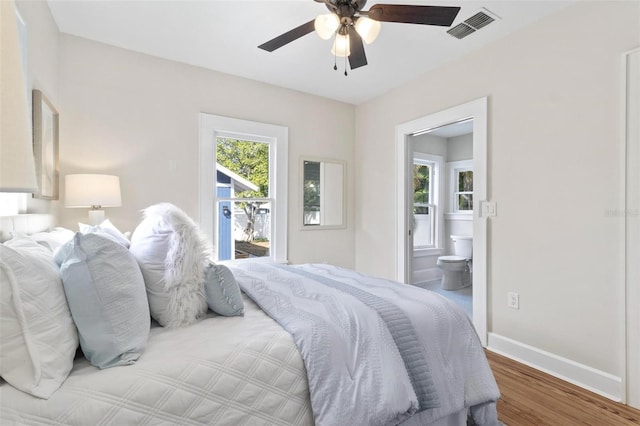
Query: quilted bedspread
{"points": [[248, 371], [219, 371]]}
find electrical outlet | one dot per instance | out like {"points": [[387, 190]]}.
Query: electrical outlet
{"points": [[513, 300]]}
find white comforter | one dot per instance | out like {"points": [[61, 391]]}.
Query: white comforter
{"points": [[219, 371], [369, 343]]}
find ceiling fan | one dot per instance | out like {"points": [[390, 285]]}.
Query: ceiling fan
{"points": [[351, 25]]}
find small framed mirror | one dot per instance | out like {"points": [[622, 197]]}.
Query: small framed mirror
{"points": [[323, 193]]}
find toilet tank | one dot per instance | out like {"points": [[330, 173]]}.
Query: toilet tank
{"points": [[462, 245]]}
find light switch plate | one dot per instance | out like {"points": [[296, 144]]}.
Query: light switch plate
{"points": [[489, 209]]}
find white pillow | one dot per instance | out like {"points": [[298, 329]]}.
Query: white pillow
{"points": [[51, 240], [38, 339], [172, 253], [107, 228], [107, 298]]}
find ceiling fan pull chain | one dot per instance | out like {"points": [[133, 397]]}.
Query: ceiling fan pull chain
{"points": [[345, 66]]}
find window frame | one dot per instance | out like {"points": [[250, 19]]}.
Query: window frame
{"points": [[455, 168], [436, 183], [214, 126]]}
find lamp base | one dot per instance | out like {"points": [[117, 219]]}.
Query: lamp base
{"points": [[96, 217]]}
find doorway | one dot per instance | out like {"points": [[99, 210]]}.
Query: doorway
{"points": [[442, 222], [476, 112]]}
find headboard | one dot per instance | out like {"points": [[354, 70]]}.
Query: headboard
{"points": [[27, 223]]}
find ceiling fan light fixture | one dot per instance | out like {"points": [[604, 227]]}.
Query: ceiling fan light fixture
{"points": [[341, 46], [326, 25], [368, 29]]}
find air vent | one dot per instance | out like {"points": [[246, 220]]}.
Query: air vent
{"points": [[479, 20], [461, 30], [472, 24]]}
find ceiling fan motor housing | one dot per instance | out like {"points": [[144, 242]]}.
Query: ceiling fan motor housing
{"points": [[345, 8]]}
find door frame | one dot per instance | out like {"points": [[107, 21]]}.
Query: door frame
{"points": [[476, 110], [631, 294]]}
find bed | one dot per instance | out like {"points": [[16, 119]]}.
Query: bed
{"points": [[255, 369]]}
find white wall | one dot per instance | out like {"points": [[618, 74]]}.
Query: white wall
{"points": [[42, 64], [555, 161], [460, 147], [136, 116]]}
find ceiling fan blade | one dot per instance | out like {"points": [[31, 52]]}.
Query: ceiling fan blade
{"points": [[426, 15], [288, 37], [357, 58]]}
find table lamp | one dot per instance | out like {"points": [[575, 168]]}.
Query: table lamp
{"points": [[92, 191]]}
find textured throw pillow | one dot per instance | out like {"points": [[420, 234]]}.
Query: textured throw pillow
{"points": [[38, 340], [172, 253], [107, 299], [222, 291], [107, 228]]}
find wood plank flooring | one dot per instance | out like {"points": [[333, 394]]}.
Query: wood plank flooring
{"points": [[533, 398]]}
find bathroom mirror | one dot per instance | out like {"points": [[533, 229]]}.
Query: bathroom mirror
{"points": [[323, 193]]}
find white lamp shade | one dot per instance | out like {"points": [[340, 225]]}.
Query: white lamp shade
{"points": [[326, 25], [17, 166], [341, 46], [368, 29], [88, 190]]}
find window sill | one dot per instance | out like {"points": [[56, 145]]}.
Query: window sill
{"points": [[459, 216]]}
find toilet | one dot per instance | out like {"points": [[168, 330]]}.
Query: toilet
{"points": [[456, 270]]}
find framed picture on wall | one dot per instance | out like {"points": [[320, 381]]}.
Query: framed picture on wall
{"points": [[45, 146]]}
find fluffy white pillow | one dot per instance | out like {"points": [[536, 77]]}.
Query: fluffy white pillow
{"points": [[108, 228], [38, 339], [172, 253], [107, 298]]}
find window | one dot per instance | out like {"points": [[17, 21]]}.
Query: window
{"points": [[461, 186], [243, 187], [242, 196], [426, 175]]}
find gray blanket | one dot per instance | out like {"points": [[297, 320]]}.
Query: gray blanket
{"points": [[376, 352]]}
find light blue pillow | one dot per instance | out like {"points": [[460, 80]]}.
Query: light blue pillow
{"points": [[222, 291], [107, 298]]}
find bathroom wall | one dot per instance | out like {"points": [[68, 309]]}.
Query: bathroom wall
{"points": [[459, 148]]}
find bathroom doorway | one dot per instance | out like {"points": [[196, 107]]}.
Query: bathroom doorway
{"points": [[442, 222], [475, 114]]}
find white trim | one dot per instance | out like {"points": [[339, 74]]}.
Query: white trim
{"points": [[631, 132], [458, 216], [453, 167], [600, 382], [213, 126], [477, 110], [437, 162]]}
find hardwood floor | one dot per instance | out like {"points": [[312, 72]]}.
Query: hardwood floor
{"points": [[533, 398]]}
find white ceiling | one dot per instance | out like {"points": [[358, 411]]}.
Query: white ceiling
{"points": [[224, 35]]}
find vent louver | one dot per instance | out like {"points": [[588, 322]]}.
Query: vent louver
{"points": [[461, 31], [472, 24]]}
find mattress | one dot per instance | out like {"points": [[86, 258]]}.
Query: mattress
{"points": [[221, 371]]}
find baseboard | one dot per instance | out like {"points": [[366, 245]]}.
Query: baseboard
{"points": [[596, 381], [425, 275]]}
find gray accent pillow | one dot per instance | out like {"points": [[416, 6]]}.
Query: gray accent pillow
{"points": [[107, 298], [222, 291]]}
